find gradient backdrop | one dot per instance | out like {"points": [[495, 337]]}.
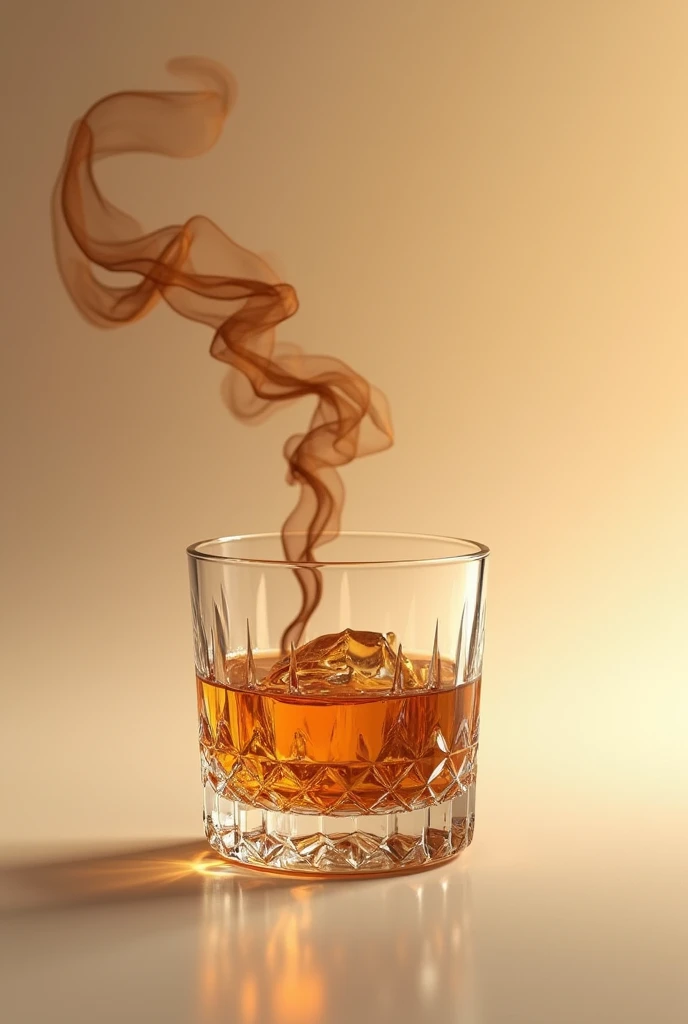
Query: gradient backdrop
{"points": [[484, 208]]}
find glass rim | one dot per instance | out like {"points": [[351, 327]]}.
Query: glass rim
{"points": [[479, 553]]}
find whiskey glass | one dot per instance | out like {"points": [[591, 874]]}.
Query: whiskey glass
{"points": [[353, 750]]}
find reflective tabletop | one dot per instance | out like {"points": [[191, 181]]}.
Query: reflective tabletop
{"points": [[533, 933]]}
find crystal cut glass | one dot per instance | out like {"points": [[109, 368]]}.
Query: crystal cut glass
{"points": [[353, 750]]}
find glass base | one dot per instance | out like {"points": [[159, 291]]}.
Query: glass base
{"points": [[339, 845]]}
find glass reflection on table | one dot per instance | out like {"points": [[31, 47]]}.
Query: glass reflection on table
{"points": [[299, 952]]}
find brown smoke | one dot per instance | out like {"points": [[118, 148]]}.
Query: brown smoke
{"points": [[205, 276]]}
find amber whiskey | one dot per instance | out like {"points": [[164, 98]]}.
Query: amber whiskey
{"points": [[342, 726]]}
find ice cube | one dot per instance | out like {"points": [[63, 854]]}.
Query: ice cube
{"points": [[354, 659]]}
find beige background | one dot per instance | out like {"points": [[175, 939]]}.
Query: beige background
{"points": [[484, 208]]}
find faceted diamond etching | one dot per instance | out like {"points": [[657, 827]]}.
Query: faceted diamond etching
{"points": [[366, 765], [434, 668], [251, 678], [293, 672], [395, 754], [200, 638], [398, 678], [358, 846]]}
